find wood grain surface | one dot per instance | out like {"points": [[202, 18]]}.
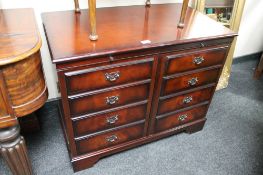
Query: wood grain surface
{"points": [[19, 38], [97, 102], [180, 83], [181, 63], [123, 30], [25, 85], [108, 76]]}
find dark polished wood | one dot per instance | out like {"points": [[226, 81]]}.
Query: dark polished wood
{"points": [[108, 76], [72, 43], [111, 138], [189, 61], [22, 85], [107, 120], [174, 119], [175, 102], [109, 99], [259, 68], [13, 149], [88, 160], [26, 85], [120, 92], [29, 123], [174, 83]]}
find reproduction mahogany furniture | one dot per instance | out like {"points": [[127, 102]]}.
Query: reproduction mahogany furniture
{"points": [[22, 85], [142, 80], [259, 68]]}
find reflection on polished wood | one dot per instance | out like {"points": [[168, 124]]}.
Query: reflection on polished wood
{"points": [[22, 85], [118, 30]]}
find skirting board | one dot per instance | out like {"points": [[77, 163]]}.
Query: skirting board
{"points": [[242, 59]]}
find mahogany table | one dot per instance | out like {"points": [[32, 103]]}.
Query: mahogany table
{"points": [[22, 85]]}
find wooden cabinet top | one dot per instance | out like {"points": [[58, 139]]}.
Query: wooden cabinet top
{"points": [[123, 29], [19, 36]]}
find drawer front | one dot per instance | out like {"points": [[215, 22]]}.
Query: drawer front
{"points": [[181, 83], [109, 139], [177, 119], [109, 120], [186, 100], [195, 60], [107, 76], [109, 99]]}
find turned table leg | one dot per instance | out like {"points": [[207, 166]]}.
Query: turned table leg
{"points": [[183, 13], [77, 9], [13, 149], [92, 15], [148, 3]]}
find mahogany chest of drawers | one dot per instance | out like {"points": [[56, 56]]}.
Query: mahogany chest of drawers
{"points": [[118, 93]]}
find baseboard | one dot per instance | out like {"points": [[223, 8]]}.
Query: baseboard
{"points": [[53, 100], [249, 57]]}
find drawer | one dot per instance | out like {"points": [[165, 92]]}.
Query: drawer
{"points": [[176, 119], [107, 76], [195, 60], [108, 99], [111, 138], [168, 104], [174, 84], [109, 120]]}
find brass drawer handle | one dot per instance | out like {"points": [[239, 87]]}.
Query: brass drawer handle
{"points": [[193, 81], [182, 117], [113, 76], [198, 60], [112, 119], [112, 100], [188, 100], [112, 138]]}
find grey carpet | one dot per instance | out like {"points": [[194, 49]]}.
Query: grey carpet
{"points": [[230, 143]]}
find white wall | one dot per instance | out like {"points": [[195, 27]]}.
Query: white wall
{"points": [[250, 38], [249, 41]]}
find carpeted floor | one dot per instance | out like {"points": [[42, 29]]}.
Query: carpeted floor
{"points": [[231, 142]]}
